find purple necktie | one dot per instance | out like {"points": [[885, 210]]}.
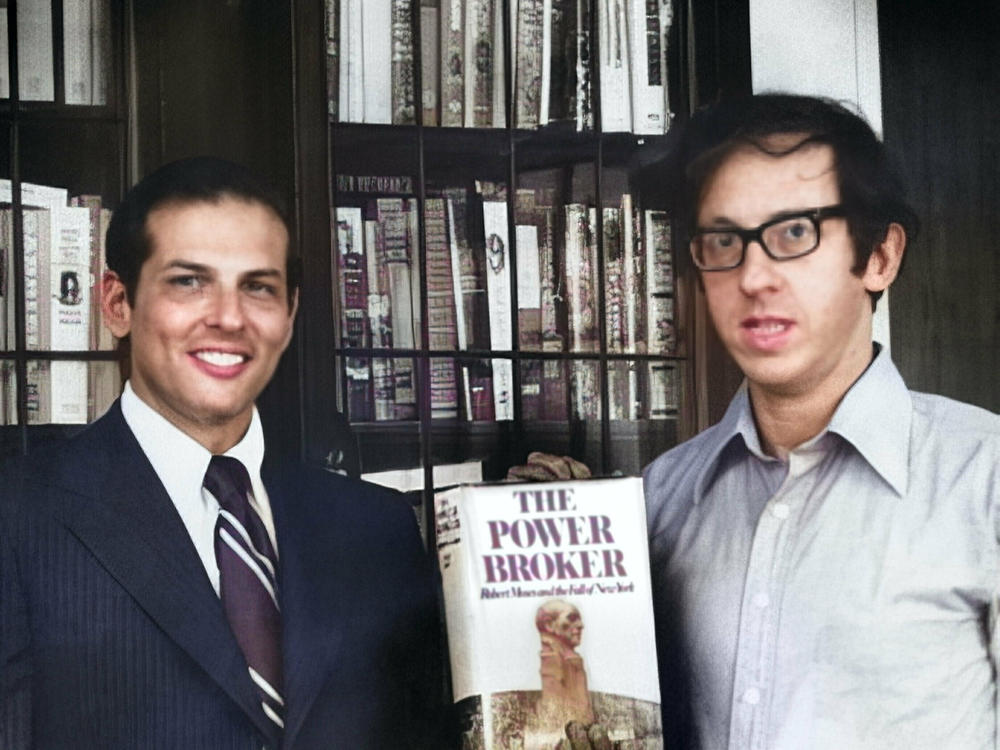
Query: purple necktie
{"points": [[248, 580]]}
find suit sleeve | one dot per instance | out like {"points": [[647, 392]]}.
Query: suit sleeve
{"points": [[15, 659]]}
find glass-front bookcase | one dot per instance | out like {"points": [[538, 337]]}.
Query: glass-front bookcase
{"points": [[502, 263], [62, 168]]}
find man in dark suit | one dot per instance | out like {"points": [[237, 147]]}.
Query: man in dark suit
{"points": [[164, 584]]}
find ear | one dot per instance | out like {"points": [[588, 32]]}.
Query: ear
{"points": [[115, 306], [883, 264]]}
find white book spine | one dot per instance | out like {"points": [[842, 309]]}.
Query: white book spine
{"points": [[36, 78], [69, 273], [77, 52], [68, 392], [614, 56], [498, 293], [644, 40], [376, 36]]}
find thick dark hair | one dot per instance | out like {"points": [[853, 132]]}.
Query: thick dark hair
{"points": [[200, 179], [872, 190]]}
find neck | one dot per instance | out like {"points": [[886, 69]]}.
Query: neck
{"points": [[786, 419]]}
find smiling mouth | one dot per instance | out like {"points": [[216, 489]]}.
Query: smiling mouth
{"points": [[221, 359], [766, 327]]}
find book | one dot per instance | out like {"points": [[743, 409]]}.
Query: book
{"points": [[351, 103], [483, 64], [660, 327], [614, 281], [612, 43], [7, 340], [555, 394], [529, 226], [528, 59], [549, 612], [86, 51], [584, 85], [36, 227], [647, 65], [100, 338], [331, 23], [4, 65], [453, 63], [442, 323], [430, 60], [35, 71], [56, 392], [532, 400], [581, 277], [664, 390], [103, 387], [585, 393], [498, 290], [69, 272], [403, 89], [351, 263]]}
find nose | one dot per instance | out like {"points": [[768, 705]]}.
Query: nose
{"points": [[758, 272], [226, 310]]}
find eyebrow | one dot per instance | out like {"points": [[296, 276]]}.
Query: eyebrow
{"points": [[186, 265], [724, 222]]}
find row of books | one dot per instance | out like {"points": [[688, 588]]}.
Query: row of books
{"points": [[469, 289], [86, 51], [63, 243], [550, 390], [60, 392], [371, 62]]}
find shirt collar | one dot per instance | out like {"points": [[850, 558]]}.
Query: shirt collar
{"points": [[873, 416], [179, 460]]}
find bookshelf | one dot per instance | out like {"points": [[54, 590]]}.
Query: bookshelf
{"points": [[624, 402], [63, 125]]}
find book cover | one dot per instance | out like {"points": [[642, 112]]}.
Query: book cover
{"points": [[452, 63], [549, 612]]}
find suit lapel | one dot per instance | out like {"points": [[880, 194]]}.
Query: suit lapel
{"points": [[316, 587], [131, 526]]}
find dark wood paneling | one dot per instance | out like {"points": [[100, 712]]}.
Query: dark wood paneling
{"points": [[941, 110]]}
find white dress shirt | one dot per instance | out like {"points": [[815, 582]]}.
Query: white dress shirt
{"points": [[844, 599], [181, 462]]}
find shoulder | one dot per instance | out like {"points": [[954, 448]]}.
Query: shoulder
{"points": [[942, 416], [671, 480], [955, 444]]}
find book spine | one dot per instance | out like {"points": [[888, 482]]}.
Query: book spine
{"points": [[554, 395], [352, 267], [77, 53], [403, 92], [452, 63], [6, 278], [645, 38], [442, 324], [584, 393], [69, 278], [36, 77], [584, 85], [430, 62], [376, 60], [614, 281], [332, 27], [531, 65], [35, 225], [480, 58], [663, 390], [532, 406], [580, 277], [661, 334], [498, 289], [613, 48], [38, 395], [68, 392]]}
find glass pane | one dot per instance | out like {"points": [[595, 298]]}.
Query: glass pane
{"points": [[86, 50]]}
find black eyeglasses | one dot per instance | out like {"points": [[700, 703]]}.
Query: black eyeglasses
{"points": [[788, 236]]}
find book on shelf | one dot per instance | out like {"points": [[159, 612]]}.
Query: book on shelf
{"points": [[57, 392], [531, 235], [648, 26], [86, 51], [7, 278], [498, 290], [581, 276], [484, 105], [529, 43], [101, 338], [548, 607], [35, 52], [442, 323], [612, 44], [69, 274], [585, 392], [664, 390], [403, 89], [452, 94], [430, 60], [331, 25], [660, 325]]}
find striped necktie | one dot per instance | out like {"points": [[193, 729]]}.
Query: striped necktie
{"points": [[248, 580]]}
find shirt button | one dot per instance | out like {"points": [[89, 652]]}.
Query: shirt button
{"points": [[780, 510], [761, 600], [751, 697]]}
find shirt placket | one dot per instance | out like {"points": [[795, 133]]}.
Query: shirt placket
{"points": [[767, 570]]}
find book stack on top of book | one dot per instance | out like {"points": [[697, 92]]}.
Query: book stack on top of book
{"points": [[370, 62], [63, 244]]}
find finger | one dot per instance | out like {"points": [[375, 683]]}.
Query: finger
{"points": [[577, 469], [598, 737], [529, 473]]}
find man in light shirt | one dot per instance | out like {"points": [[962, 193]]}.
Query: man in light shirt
{"points": [[825, 559], [165, 584]]}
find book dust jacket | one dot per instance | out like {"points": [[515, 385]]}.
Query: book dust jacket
{"points": [[549, 614]]}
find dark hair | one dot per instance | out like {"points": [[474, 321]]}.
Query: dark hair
{"points": [[201, 179], [872, 190]]}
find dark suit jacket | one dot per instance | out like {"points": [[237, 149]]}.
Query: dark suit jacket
{"points": [[112, 637]]}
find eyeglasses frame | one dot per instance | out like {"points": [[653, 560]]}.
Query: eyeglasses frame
{"points": [[815, 215]]}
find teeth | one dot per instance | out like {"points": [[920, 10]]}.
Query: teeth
{"points": [[771, 327], [221, 359]]}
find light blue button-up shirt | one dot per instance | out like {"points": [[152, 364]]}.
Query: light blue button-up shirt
{"points": [[846, 598]]}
